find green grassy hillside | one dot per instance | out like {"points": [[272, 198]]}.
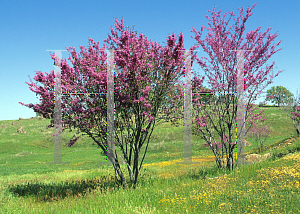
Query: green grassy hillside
{"points": [[29, 185]]}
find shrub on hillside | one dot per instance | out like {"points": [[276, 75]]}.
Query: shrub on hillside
{"points": [[261, 104]]}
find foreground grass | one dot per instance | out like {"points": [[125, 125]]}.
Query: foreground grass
{"points": [[31, 186]]}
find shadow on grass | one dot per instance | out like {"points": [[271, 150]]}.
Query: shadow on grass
{"points": [[52, 192], [206, 172]]}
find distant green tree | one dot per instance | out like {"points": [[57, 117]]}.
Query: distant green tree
{"points": [[207, 98], [279, 95]]}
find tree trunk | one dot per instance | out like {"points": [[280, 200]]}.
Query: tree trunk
{"points": [[120, 178], [296, 127], [230, 162], [135, 170], [297, 130]]}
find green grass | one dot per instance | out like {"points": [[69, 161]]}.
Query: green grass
{"points": [[28, 185]]}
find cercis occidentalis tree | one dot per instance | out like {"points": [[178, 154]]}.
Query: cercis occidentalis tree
{"points": [[259, 133], [219, 120], [145, 75]]}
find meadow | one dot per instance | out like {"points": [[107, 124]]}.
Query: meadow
{"points": [[29, 185]]}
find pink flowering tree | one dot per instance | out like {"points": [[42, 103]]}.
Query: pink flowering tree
{"points": [[144, 76], [259, 133], [219, 120]]}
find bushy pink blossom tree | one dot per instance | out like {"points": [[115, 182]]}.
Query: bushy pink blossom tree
{"points": [[144, 76]]}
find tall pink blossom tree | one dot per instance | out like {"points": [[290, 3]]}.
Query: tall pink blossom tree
{"points": [[144, 76], [222, 75]]}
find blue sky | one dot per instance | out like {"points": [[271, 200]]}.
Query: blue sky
{"points": [[29, 28]]}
